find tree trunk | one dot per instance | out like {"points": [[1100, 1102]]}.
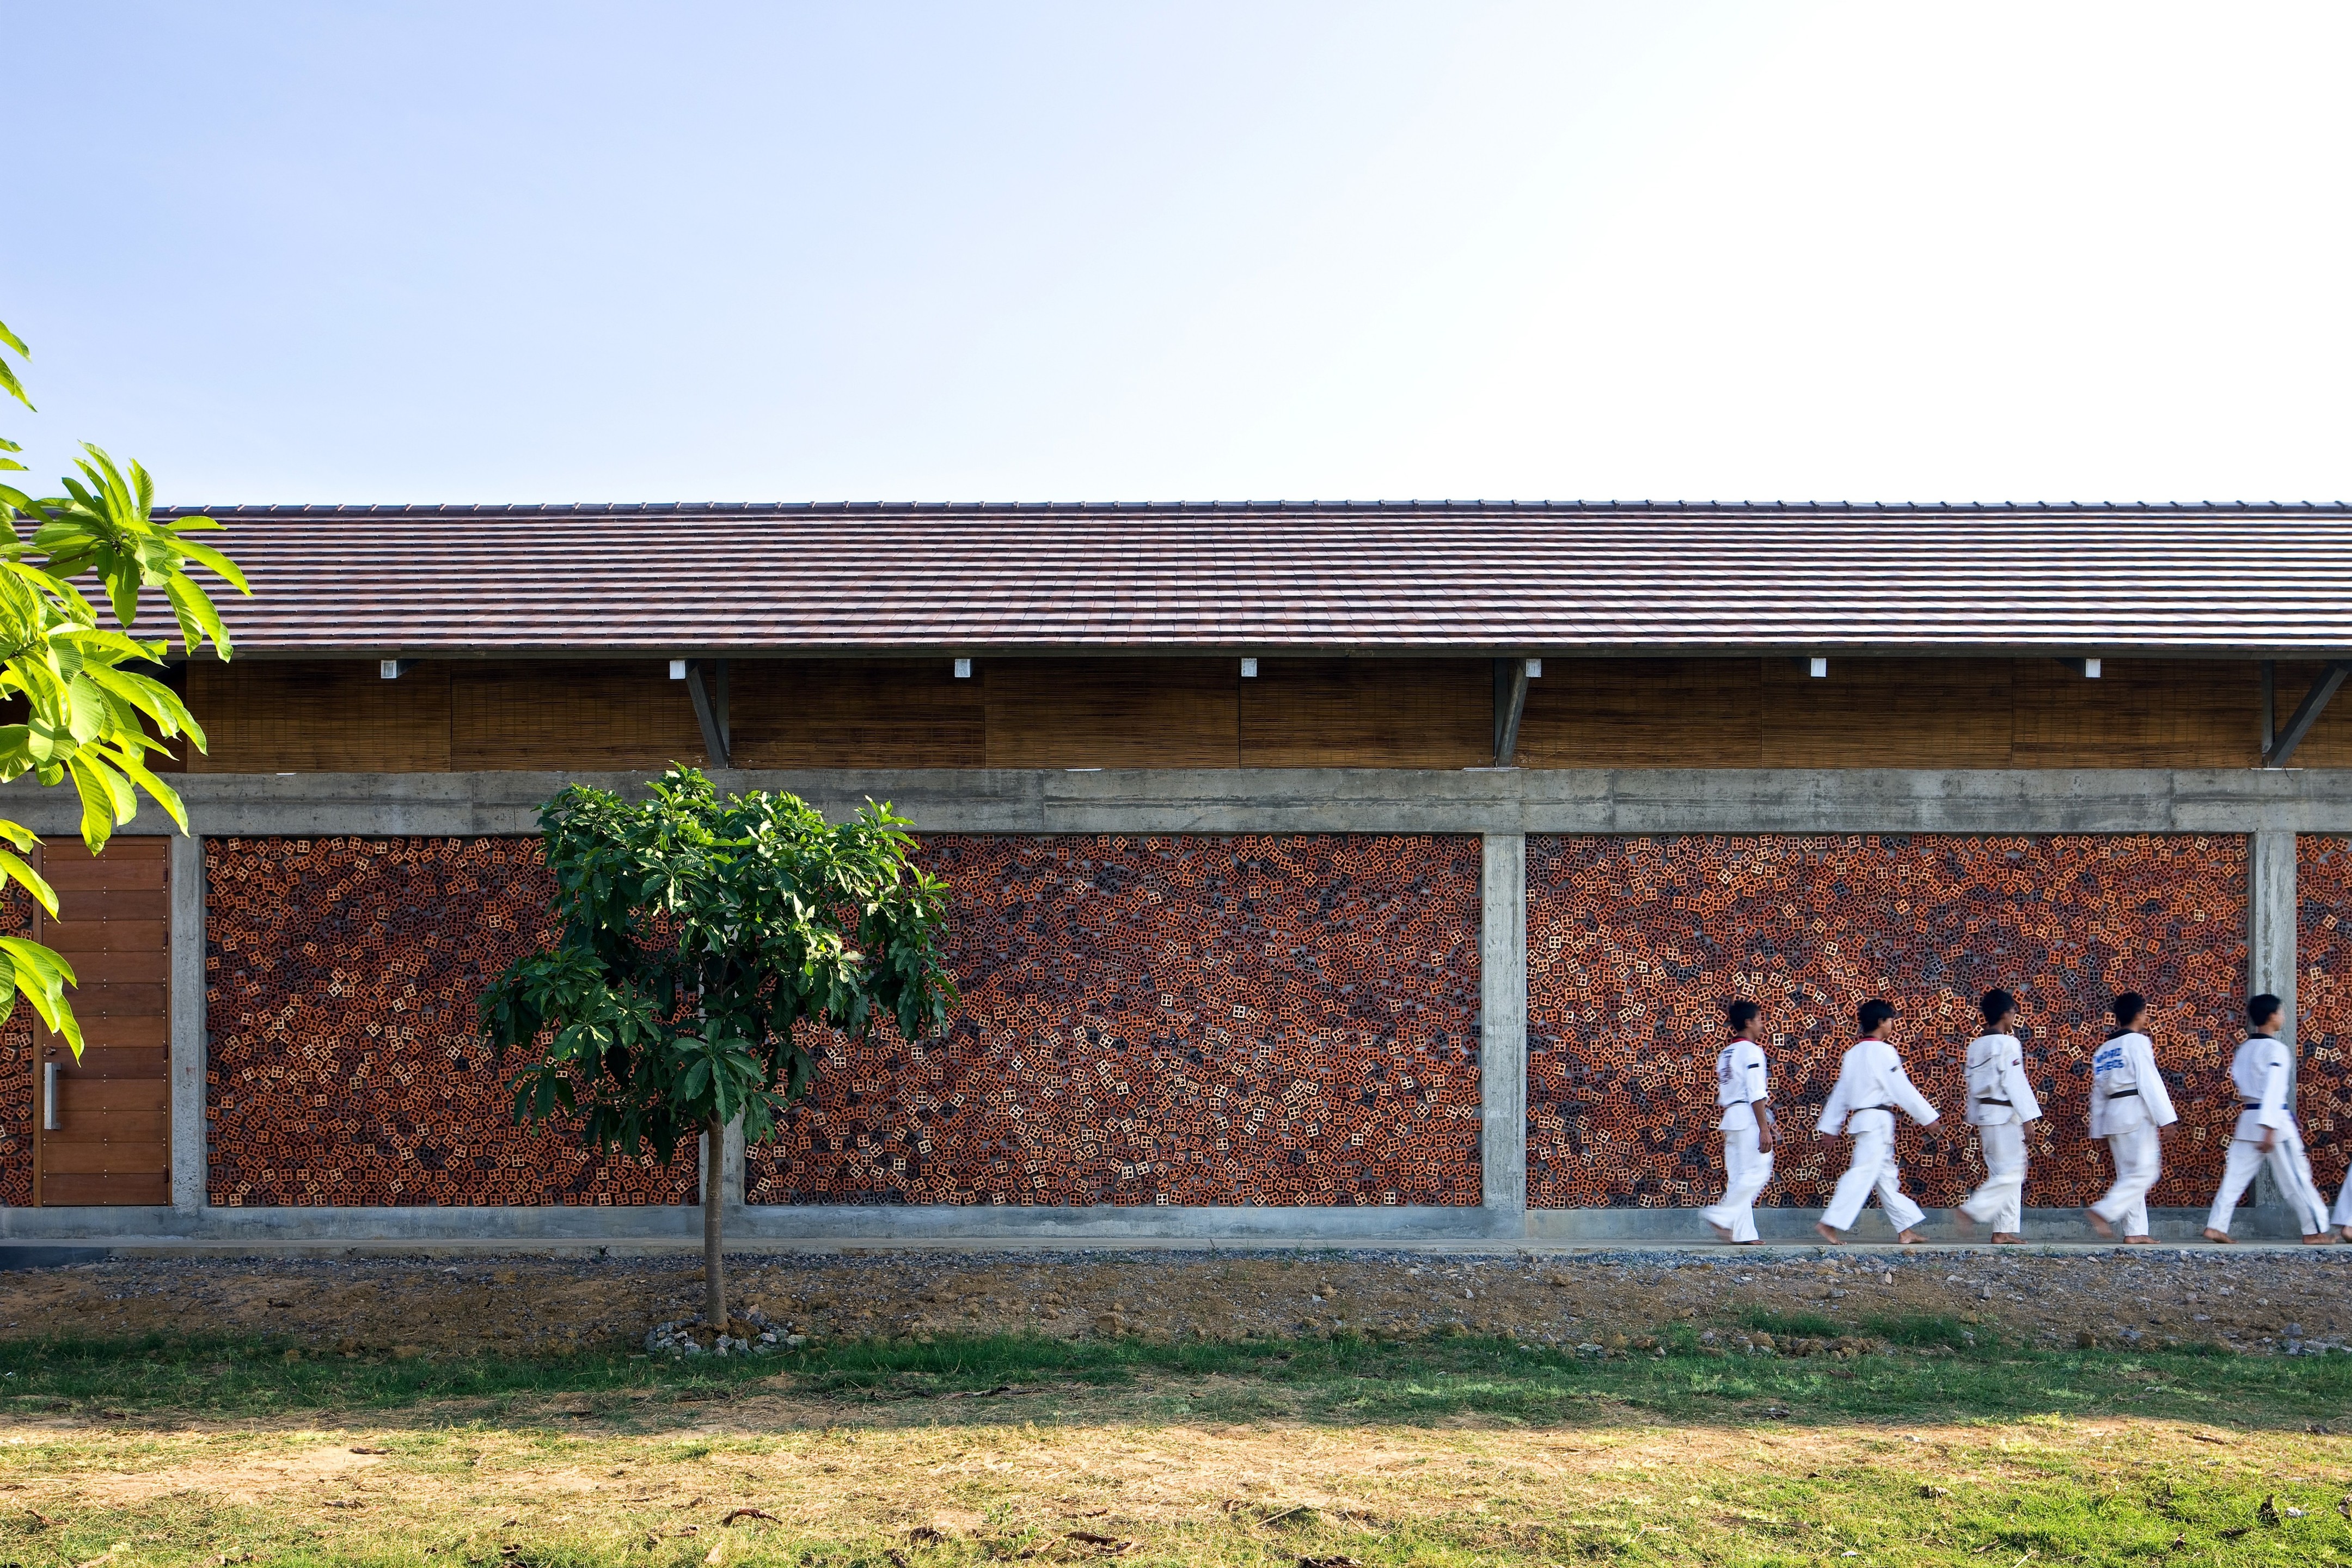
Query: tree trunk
{"points": [[714, 1267]]}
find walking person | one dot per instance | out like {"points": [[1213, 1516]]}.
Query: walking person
{"points": [[1744, 1092], [1871, 1083], [2262, 1072], [2000, 1102], [2133, 1112]]}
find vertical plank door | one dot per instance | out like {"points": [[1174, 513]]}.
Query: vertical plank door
{"points": [[111, 1138]]}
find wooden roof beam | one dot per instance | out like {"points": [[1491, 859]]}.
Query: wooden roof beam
{"points": [[2306, 713], [1511, 678], [709, 707]]}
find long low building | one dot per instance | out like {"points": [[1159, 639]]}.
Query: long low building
{"points": [[1321, 872]]}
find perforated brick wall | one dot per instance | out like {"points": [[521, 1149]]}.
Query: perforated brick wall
{"points": [[1281, 1020], [1633, 944], [340, 978], [2323, 999], [19, 1070]]}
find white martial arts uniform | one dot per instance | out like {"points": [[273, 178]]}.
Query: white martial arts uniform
{"points": [[1871, 1082], [2000, 1102], [2261, 1072], [2129, 1103], [2343, 1214], [1740, 1083]]}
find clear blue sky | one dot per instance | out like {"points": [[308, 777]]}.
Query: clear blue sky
{"points": [[512, 251]]}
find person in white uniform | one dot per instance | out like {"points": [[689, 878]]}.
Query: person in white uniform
{"points": [[2131, 1108], [1871, 1084], [1744, 1092], [2000, 1102], [2263, 1071]]}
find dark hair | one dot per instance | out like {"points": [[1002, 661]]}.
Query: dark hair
{"points": [[2261, 1009], [1874, 1013], [1998, 1005], [1739, 1014], [2127, 1008]]}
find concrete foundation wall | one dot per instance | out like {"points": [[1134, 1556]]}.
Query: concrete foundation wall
{"points": [[1501, 806]]}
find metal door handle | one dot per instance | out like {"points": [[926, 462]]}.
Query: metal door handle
{"points": [[49, 1097]]}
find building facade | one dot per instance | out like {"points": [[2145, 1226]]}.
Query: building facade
{"points": [[1321, 873]]}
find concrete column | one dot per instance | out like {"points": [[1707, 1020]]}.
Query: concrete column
{"points": [[2271, 931], [189, 1143], [1503, 1031], [732, 1167]]}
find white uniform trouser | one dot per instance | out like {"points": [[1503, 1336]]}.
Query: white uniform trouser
{"points": [[2001, 1201], [2343, 1214], [2289, 1163], [1746, 1169], [1874, 1166], [2138, 1151]]}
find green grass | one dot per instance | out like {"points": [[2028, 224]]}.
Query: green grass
{"points": [[1932, 1372], [1446, 1453]]}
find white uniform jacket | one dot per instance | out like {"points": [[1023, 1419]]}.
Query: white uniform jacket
{"points": [[2125, 1089], [1871, 1080], [2262, 1071], [1739, 1080], [1997, 1090]]}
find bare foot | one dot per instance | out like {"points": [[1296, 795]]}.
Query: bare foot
{"points": [[1832, 1238], [1751, 1241], [1722, 1232], [1910, 1238], [2006, 1238], [2218, 1237], [1966, 1225], [2139, 1241], [2099, 1224], [2348, 1233], [2320, 1239]]}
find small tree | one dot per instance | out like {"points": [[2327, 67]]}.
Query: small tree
{"points": [[697, 935], [85, 705]]}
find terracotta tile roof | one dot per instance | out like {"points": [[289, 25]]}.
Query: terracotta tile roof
{"points": [[1373, 577]]}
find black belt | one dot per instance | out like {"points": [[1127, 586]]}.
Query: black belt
{"points": [[1992, 1102], [2250, 1105], [2124, 1094]]}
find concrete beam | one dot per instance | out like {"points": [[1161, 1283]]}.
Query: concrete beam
{"points": [[188, 1140], [681, 1227], [1503, 1030], [1315, 800], [2271, 933]]}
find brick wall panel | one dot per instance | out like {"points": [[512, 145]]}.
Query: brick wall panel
{"points": [[341, 977], [18, 1072], [2322, 997], [1281, 1020], [1633, 943]]}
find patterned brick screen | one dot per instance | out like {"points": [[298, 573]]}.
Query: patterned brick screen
{"points": [[18, 1072], [1633, 944], [2323, 999], [341, 980], [1181, 1020]]}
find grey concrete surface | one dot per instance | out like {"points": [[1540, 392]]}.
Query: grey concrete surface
{"points": [[2271, 965], [1503, 1024], [1320, 800], [187, 1010]]}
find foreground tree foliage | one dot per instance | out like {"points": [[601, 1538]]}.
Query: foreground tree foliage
{"points": [[83, 703], [697, 935]]}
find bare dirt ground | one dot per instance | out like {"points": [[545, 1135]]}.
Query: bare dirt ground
{"points": [[2253, 1301]]}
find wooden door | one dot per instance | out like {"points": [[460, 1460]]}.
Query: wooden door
{"points": [[104, 1123]]}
